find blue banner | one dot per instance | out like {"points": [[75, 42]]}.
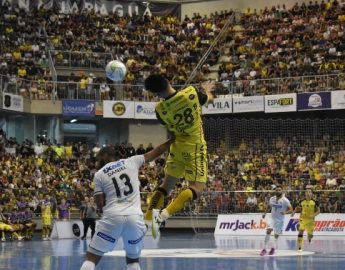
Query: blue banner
{"points": [[78, 108], [314, 101]]}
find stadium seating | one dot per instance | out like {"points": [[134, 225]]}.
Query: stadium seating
{"points": [[267, 51]]}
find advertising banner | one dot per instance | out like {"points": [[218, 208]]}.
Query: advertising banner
{"points": [[219, 105], [248, 104], [69, 229], [78, 108], [280, 103], [12, 102], [314, 101], [254, 224], [104, 7], [145, 110], [338, 99], [118, 109]]}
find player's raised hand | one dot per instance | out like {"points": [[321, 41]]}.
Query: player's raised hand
{"points": [[208, 86]]}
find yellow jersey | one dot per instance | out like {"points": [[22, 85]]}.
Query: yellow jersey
{"points": [[46, 208], [309, 208], [181, 113]]}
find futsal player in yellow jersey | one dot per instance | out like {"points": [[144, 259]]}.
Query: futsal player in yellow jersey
{"points": [[309, 209], [47, 210], [180, 112]]}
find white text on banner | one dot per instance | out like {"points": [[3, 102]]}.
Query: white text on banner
{"points": [[145, 110], [219, 105], [254, 224], [338, 99], [248, 104], [281, 103], [12, 102], [118, 109]]}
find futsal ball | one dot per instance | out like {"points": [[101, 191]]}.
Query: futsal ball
{"points": [[116, 70]]}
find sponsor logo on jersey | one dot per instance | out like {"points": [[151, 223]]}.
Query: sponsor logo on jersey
{"points": [[106, 237], [134, 242]]}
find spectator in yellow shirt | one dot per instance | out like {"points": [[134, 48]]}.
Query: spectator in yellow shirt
{"points": [[22, 71]]}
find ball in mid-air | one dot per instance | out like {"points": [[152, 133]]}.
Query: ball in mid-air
{"points": [[116, 70]]}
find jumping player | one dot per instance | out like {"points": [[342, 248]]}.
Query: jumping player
{"points": [[280, 206], [309, 209], [117, 193], [180, 112]]}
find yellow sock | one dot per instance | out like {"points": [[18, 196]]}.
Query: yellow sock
{"points": [[300, 241], [178, 204], [156, 202], [15, 235], [2, 234]]}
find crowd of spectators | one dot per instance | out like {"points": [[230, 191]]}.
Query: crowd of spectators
{"points": [[235, 178], [307, 39], [276, 42]]}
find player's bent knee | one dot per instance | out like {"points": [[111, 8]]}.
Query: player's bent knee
{"points": [[95, 252], [133, 257]]}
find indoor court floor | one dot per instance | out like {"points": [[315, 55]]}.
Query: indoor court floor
{"points": [[180, 252]]}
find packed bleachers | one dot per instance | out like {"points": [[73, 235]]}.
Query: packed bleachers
{"points": [[247, 159], [289, 44]]}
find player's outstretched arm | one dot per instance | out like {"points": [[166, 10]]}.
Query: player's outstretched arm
{"points": [[289, 211], [156, 152], [317, 211], [267, 208], [208, 88], [296, 210]]}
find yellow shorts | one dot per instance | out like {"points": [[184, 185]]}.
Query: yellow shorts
{"points": [[307, 225], [188, 160], [46, 221], [5, 227]]}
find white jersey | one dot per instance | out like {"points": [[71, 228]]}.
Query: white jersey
{"points": [[279, 206], [120, 184]]}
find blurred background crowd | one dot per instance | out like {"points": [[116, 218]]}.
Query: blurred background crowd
{"points": [[300, 46]]}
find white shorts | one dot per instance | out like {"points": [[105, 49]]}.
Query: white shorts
{"points": [[109, 230], [276, 225]]}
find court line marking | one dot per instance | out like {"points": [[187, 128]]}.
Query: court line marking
{"points": [[209, 253]]}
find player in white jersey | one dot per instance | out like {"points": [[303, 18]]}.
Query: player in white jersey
{"points": [[280, 206], [117, 193]]}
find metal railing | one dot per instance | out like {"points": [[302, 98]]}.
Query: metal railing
{"points": [[76, 59], [42, 89], [212, 203]]}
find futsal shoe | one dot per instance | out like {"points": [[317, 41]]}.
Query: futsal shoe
{"points": [[271, 251], [156, 223], [263, 252]]}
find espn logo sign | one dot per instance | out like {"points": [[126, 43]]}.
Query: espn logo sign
{"points": [[281, 103]]}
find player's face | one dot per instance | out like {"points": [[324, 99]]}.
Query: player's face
{"points": [[102, 160], [279, 192], [308, 194]]}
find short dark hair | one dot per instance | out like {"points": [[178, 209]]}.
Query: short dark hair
{"points": [[107, 150], [156, 83]]}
